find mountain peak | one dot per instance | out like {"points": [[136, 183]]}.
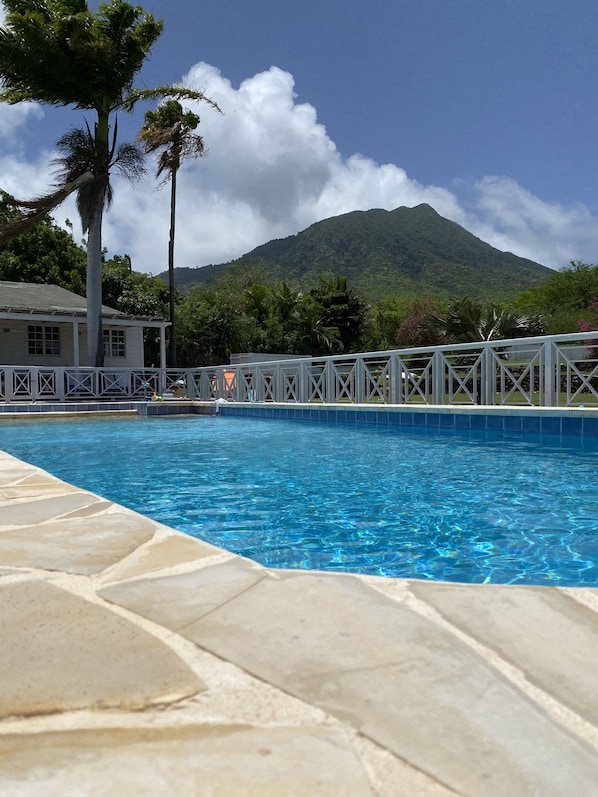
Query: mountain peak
{"points": [[405, 251]]}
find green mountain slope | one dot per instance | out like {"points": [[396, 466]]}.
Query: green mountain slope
{"points": [[403, 251]]}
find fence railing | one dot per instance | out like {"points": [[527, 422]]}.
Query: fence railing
{"points": [[549, 371]]}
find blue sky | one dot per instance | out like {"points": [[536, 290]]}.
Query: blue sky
{"points": [[485, 109]]}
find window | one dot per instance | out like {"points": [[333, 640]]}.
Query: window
{"points": [[43, 340], [114, 343]]}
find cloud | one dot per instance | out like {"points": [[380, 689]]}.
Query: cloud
{"points": [[507, 215], [271, 170], [13, 118]]}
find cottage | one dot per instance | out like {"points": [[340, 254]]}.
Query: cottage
{"points": [[45, 325]]}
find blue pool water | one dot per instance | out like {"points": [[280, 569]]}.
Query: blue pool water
{"points": [[473, 508]]}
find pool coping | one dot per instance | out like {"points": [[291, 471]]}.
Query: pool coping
{"points": [[568, 421]]}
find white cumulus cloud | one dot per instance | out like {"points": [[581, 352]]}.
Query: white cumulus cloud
{"points": [[508, 216], [13, 118]]}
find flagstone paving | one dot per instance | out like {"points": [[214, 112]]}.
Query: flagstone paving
{"points": [[136, 660]]}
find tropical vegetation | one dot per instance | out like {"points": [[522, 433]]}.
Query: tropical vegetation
{"points": [[169, 132], [402, 252], [466, 322], [61, 53], [244, 310]]}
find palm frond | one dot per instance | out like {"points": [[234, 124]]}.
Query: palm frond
{"points": [[129, 161], [174, 92], [40, 207]]}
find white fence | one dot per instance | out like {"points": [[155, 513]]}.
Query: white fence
{"points": [[549, 371]]}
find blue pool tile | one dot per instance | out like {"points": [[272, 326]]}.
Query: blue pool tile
{"points": [[351, 416], [550, 425], [590, 427], [340, 416], [531, 424], [419, 418], [462, 421], [512, 423], [495, 422], [432, 419], [406, 418], [478, 422], [382, 418], [572, 426], [447, 420], [394, 418]]}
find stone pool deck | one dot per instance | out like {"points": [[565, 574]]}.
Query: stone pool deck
{"points": [[137, 661]]}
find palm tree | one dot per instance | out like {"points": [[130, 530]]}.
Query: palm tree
{"points": [[60, 53], [169, 131], [469, 321], [79, 156]]}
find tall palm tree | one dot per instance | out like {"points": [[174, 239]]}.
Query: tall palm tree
{"points": [[60, 53], [169, 131]]}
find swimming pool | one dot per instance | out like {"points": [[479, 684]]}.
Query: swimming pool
{"points": [[455, 506]]}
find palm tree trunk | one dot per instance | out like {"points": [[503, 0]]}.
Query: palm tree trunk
{"points": [[172, 338], [95, 337]]}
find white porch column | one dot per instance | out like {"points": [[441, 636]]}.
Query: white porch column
{"points": [[163, 347], [76, 344]]}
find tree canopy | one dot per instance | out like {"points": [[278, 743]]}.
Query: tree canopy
{"points": [[565, 299], [61, 53]]}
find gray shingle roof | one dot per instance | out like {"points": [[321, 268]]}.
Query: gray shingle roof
{"points": [[29, 297]]}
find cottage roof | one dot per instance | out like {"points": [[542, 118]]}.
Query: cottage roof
{"points": [[29, 297]]}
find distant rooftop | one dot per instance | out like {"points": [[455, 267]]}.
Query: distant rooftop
{"points": [[31, 297]]}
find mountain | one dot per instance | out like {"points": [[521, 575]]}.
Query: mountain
{"points": [[398, 252]]}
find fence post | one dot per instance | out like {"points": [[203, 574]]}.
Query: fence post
{"points": [[9, 381], [550, 378], [438, 378], [395, 381], [303, 382], [277, 384], [60, 384], [161, 381], [329, 377], [34, 384], [359, 373]]}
